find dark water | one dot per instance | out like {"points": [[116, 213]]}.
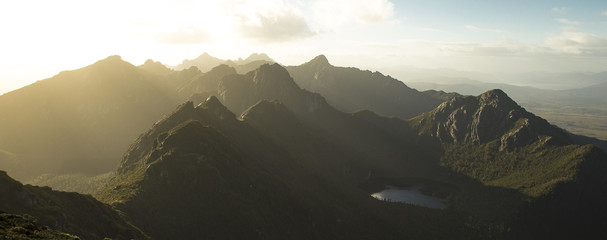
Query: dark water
{"points": [[410, 195]]}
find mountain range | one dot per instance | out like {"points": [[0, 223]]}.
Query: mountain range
{"points": [[292, 153], [206, 62]]}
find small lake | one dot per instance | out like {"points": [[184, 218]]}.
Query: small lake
{"points": [[410, 195]]}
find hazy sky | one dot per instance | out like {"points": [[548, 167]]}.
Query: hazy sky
{"points": [[38, 39]]}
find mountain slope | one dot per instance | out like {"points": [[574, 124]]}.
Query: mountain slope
{"points": [[75, 121], [216, 176], [241, 91], [73, 213], [206, 83], [491, 139], [25, 227], [351, 89]]}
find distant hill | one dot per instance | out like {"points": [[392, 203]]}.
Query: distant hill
{"points": [[351, 89], [206, 62]]}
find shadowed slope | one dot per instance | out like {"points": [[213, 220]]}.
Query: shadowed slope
{"points": [[351, 89]]}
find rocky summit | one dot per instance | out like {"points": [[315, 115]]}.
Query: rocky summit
{"points": [[491, 115]]}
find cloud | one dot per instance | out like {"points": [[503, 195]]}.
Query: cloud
{"points": [[604, 13], [191, 35], [274, 28], [501, 47], [578, 43], [269, 21], [567, 21], [477, 29], [560, 10], [566, 44], [332, 14]]}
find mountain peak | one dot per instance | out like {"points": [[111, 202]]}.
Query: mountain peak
{"points": [[273, 75], [155, 67], [490, 116], [111, 60], [211, 102], [494, 94], [215, 108], [222, 70], [257, 57], [497, 99], [319, 61]]}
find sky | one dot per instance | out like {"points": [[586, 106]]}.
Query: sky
{"points": [[40, 38]]}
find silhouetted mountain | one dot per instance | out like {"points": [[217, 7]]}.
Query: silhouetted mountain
{"points": [[206, 62], [206, 83], [73, 213], [156, 67], [81, 120], [254, 57], [351, 89], [445, 96], [270, 82], [245, 68]]}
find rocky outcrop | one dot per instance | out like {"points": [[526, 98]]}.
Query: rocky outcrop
{"points": [[488, 117]]}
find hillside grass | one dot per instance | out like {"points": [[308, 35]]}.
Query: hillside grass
{"points": [[533, 170]]}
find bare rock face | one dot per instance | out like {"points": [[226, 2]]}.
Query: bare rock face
{"points": [[490, 116]]}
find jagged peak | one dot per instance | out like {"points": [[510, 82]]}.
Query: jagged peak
{"points": [[110, 65], [319, 61], [497, 98], [214, 106], [114, 59], [274, 73], [186, 106], [155, 67], [272, 67], [258, 56], [223, 68], [494, 94], [202, 57], [211, 102]]}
